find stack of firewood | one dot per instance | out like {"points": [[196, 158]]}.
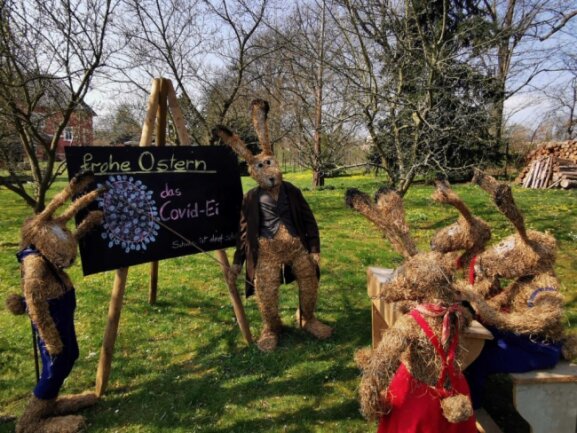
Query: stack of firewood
{"points": [[551, 165]]}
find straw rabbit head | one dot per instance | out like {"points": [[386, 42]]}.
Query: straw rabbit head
{"points": [[263, 168], [49, 234], [423, 275], [525, 253], [469, 233]]}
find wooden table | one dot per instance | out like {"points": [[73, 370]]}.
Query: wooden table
{"points": [[385, 314]]}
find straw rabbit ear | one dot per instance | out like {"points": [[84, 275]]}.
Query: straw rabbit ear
{"points": [[390, 205], [361, 202], [77, 205], [469, 233], [259, 109], [234, 141], [76, 185], [503, 198], [391, 223], [444, 194]]}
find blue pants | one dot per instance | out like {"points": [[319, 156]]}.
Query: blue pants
{"points": [[508, 353], [56, 369]]}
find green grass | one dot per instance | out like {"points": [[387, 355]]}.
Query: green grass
{"points": [[183, 366]]}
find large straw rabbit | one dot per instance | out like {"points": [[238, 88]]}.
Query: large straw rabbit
{"points": [[277, 229], [48, 247], [412, 381], [526, 317]]}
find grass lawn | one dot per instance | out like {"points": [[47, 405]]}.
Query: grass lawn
{"points": [[182, 364]]}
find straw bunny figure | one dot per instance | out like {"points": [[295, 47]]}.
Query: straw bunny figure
{"points": [[277, 229], [469, 233], [526, 317], [47, 248], [412, 380]]}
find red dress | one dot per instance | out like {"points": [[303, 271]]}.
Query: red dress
{"points": [[416, 406]]}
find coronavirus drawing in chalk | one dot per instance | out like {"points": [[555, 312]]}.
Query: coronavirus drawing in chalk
{"points": [[130, 214]]}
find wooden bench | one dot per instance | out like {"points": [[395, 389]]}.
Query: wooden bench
{"points": [[547, 399], [384, 315]]}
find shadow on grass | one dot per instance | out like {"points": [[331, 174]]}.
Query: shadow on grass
{"points": [[219, 384], [244, 390]]}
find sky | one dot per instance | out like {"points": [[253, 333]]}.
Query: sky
{"points": [[526, 108]]}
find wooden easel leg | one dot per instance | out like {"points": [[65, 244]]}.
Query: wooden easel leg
{"points": [[235, 298], [162, 84], [153, 288], [114, 309]]}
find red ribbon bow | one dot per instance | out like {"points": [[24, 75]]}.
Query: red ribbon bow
{"points": [[436, 310]]}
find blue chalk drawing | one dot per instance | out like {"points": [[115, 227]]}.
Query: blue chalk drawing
{"points": [[130, 214]]}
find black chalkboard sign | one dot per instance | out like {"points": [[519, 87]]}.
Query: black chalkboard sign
{"points": [[160, 202]]}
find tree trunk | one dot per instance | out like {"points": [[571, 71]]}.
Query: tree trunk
{"points": [[504, 55], [318, 178], [318, 175]]}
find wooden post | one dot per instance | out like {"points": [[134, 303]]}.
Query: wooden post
{"points": [[160, 142], [161, 115], [156, 109], [184, 139], [235, 298], [148, 126], [114, 309], [153, 283], [161, 95], [177, 116]]}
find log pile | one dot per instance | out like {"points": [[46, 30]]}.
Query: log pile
{"points": [[551, 165]]}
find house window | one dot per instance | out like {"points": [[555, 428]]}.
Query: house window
{"points": [[68, 134]]}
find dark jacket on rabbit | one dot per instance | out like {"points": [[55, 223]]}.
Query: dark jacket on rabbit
{"points": [[247, 243]]}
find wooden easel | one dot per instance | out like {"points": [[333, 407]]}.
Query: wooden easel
{"points": [[162, 97]]}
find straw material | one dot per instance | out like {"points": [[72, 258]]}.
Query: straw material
{"points": [[15, 304], [259, 109], [283, 249], [232, 140], [515, 257], [457, 408], [425, 277], [569, 348], [543, 321], [405, 342], [37, 418], [469, 233], [44, 279], [362, 357], [503, 198], [388, 216], [534, 305], [57, 245]]}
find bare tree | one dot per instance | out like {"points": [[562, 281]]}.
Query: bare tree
{"points": [[563, 97], [422, 99], [318, 175], [119, 126], [360, 65], [516, 47], [205, 46], [315, 121], [50, 51]]}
